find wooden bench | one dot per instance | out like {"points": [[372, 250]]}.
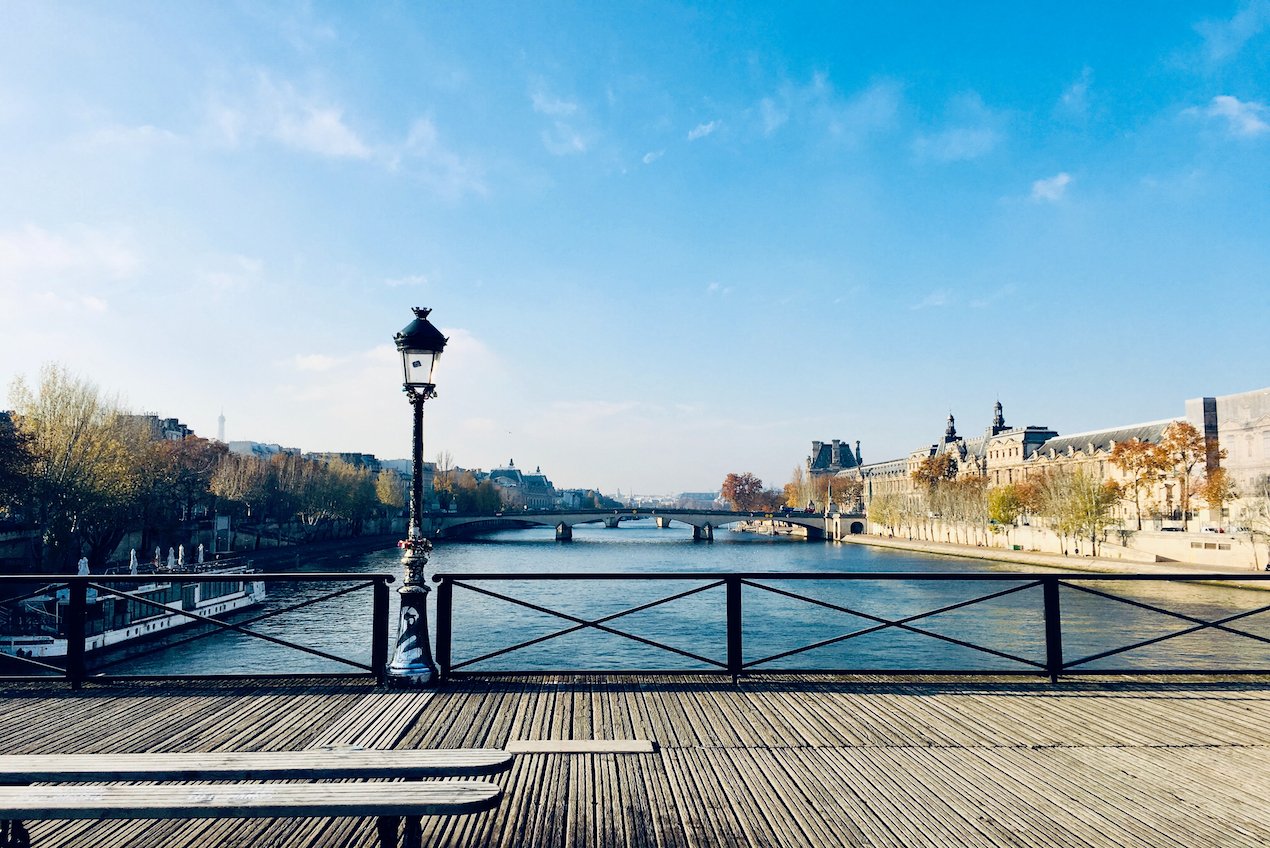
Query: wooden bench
{"points": [[254, 796]]}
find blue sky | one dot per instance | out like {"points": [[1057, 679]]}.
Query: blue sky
{"points": [[667, 241]]}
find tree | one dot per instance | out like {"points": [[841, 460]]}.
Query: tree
{"points": [[1217, 490], [390, 489], [1078, 504], [1141, 463], [1184, 448], [1005, 505], [15, 465], [934, 469], [743, 491], [86, 470], [887, 510], [798, 490]]}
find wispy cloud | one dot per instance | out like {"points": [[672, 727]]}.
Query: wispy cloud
{"points": [[703, 130], [42, 270], [971, 131], [276, 110], [652, 156], [1051, 189], [549, 104], [1223, 39], [1243, 118], [411, 280], [233, 273], [934, 300], [567, 135], [1074, 101], [428, 159], [819, 104], [32, 251], [718, 289], [985, 300]]}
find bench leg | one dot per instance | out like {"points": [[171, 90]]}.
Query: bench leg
{"points": [[414, 833], [388, 826], [14, 835]]}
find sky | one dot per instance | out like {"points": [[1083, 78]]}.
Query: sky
{"points": [[667, 241]]}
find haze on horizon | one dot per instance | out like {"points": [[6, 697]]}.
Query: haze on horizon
{"points": [[667, 241]]}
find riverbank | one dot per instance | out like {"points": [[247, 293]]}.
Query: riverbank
{"points": [[1044, 560]]}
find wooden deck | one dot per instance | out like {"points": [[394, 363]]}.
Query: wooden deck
{"points": [[764, 763]]}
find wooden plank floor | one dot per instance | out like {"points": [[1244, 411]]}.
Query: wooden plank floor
{"points": [[765, 763]]}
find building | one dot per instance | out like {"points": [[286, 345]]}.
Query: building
{"points": [[1237, 424], [260, 450], [165, 429], [1240, 425], [357, 460], [520, 489]]}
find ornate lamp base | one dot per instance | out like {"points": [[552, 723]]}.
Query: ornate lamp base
{"points": [[412, 663]]}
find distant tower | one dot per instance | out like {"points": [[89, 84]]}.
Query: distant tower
{"points": [[998, 419], [220, 427], [950, 432]]}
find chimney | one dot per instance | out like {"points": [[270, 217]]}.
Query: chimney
{"points": [[835, 453]]}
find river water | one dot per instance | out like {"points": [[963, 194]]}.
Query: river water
{"points": [[773, 623]]}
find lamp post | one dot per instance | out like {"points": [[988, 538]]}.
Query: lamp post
{"points": [[420, 345]]}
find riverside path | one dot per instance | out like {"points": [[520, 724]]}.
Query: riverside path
{"points": [[684, 761]]}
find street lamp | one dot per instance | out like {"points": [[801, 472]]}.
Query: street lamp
{"points": [[420, 345]]}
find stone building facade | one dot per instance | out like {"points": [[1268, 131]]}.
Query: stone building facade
{"points": [[1238, 424]]}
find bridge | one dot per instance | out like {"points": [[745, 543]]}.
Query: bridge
{"points": [[703, 522]]}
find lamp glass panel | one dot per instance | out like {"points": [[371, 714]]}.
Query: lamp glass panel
{"points": [[418, 366]]}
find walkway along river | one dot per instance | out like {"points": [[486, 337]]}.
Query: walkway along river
{"points": [[772, 622]]}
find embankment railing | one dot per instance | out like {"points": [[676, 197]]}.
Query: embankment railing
{"points": [[1037, 616], [71, 623]]}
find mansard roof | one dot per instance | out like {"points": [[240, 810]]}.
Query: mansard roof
{"points": [[821, 458], [1103, 440]]}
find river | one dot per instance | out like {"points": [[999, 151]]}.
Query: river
{"points": [[773, 623]]}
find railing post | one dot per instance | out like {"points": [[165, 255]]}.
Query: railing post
{"points": [[445, 611], [76, 626], [379, 632], [1053, 628], [735, 643]]}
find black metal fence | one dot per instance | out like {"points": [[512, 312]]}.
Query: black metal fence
{"points": [[1035, 618], [78, 610]]}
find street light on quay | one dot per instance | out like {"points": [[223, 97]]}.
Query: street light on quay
{"points": [[420, 345]]}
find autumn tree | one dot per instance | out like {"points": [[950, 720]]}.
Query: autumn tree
{"points": [[84, 477], [887, 510], [743, 491], [1141, 463], [934, 469], [1078, 504], [1217, 490], [797, 491], [1184, 448], [1005, 505], [390, 489]]}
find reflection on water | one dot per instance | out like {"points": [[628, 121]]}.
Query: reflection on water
{"points": [[1011, 624]]}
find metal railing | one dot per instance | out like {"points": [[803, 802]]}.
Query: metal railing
{"points": [[1038, 613], [74, 615]]}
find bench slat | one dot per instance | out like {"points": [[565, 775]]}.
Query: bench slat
{"points": [[254, 765], [247, 800]]}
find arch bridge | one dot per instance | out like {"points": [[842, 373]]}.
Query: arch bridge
{"points": [[703, 522]]}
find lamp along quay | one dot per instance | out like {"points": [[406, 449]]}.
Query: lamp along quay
{"points": [[420, 345]]}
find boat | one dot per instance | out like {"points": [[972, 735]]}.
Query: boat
{"points": [[35, 626]]}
